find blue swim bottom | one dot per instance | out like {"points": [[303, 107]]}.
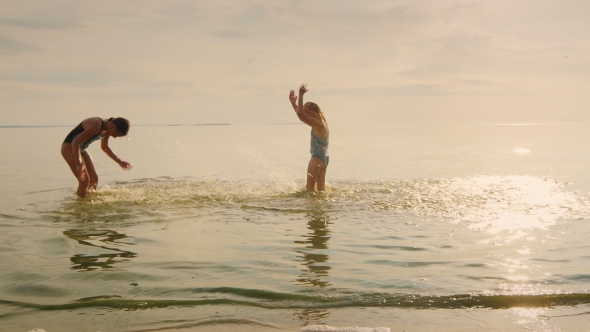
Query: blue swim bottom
{"points": [[325, 159]]}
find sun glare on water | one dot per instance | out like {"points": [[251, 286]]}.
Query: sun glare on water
{"points": [[521, 202]]}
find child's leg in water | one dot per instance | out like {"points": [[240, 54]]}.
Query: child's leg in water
{"points": [[321, 180], [316, 174]]}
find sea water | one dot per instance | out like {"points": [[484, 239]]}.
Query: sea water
{"points": [[424, 227]]}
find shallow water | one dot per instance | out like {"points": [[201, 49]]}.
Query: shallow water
{"points": [[423, 227]]}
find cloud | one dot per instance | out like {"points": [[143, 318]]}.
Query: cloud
{"points": [[34, 24], [72, 78], [93, 79], [10, 46], [227, 34], [474, 82], [379, 91]]}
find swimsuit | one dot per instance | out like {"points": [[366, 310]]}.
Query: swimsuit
{"points": [[77, 131], [319, 148]]}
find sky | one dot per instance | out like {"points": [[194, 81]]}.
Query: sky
{"points": [[221, 61]]}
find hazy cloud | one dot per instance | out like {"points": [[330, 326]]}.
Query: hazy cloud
{"points": [[91, 78], [473, 82], [10, 46], [391, 91], [37, 24], [227, 34]]}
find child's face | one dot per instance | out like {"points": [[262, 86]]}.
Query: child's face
{"points": [[114, 133]]}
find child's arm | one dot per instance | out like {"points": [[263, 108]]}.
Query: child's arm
{"points": [[104, 145], [301, 114], [302, 91], [293, 100]]}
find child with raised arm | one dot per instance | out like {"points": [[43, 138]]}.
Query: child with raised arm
{"points": [[311, 114]]}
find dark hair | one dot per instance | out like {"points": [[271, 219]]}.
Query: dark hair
{"points": [[122, 125]]}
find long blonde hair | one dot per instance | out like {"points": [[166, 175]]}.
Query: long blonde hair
{"points": [[316, 108]]}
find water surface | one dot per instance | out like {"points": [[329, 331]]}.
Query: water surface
{"points": [[423, 227]]}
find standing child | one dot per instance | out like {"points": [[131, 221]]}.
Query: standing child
{"points": [[311, 114]]}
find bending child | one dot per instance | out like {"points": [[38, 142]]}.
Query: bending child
{"points": [[73, 149]]}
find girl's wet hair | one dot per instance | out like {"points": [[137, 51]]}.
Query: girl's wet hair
{"points": [[316, 108], [122, 125], [313, 106]]}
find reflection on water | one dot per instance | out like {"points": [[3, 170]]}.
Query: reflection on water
{"points": [[312, 316], [530, 316], [313, 262], [516, 273], [315, 268], [103, 239]]}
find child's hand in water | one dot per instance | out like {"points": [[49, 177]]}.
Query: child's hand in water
{"points": [[302, 89], [125, 165]]}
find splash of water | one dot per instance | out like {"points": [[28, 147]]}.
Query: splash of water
{"points": [[492, 203]]}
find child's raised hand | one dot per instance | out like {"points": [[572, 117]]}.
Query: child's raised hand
{"points": [[292, 97], [302, 89]]}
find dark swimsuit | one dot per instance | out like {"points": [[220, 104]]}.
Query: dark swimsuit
{"points": [[319, 148], [80, 129]]}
